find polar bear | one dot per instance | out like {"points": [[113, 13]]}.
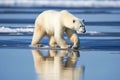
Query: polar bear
{"points": [[53, 24]]}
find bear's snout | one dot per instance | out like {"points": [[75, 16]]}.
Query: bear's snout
{"points": [[83, 31]]}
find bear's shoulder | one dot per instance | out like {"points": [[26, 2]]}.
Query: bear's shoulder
{"points": [[50, 11], [64, 11]]}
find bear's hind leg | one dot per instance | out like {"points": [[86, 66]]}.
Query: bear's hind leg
{"points": [[73, 37], [37, 36]]}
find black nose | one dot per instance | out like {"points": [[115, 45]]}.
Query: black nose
{"points": [[84, 31]]}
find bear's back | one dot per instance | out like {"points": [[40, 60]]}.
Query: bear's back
{"points": [[49, 20]]}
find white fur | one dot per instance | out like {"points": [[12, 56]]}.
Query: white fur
{"points": [[54, 24]]}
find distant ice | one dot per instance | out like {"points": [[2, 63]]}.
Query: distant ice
{"points": [[68, 3], [19, 29]]}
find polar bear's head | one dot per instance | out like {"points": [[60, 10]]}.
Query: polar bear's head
{"points": [[72, 22], [79, 26]]}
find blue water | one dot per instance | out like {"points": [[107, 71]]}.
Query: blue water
{"points": [[97, 59]]}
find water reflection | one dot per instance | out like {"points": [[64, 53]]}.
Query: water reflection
{"points": [[58, 65]]}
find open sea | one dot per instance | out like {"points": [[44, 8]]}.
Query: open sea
{"points": [[97, 59]]}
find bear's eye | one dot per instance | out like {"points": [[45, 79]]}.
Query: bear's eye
{"points": [[73, 21]]}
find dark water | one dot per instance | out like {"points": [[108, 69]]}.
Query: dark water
{"points": [[97, 59]]}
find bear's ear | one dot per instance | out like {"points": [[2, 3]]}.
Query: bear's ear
{"points": [[73, 21]]}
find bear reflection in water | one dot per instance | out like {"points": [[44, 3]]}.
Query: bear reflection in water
{"points": [[58, 65]]}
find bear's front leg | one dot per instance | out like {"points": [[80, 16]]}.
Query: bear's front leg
{"points": [[76, 43], [60, 39], [74, 38]]}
